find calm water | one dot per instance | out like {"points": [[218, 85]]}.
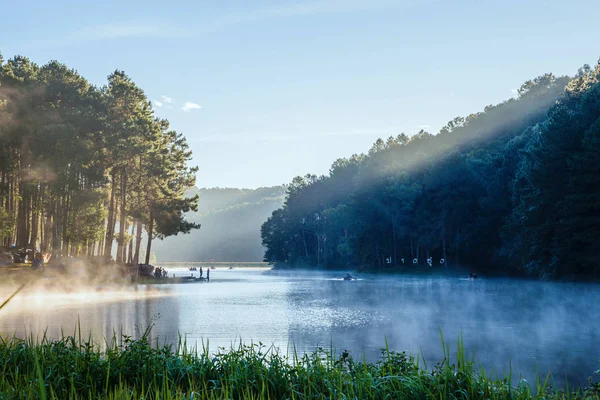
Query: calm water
{"points": [[533, 325]]}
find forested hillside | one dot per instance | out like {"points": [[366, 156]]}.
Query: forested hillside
{"points": [[512, 189], [83, 166], [231, 220]]}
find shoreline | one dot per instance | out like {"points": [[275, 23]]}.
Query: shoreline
{"points": [[436, 271]]}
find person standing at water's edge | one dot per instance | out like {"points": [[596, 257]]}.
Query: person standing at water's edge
{"points": [[208, 274]]}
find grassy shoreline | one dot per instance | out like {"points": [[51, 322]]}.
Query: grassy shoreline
{"points": [[75, 368]]}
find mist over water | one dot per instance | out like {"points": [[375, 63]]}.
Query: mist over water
{"points": [[536, 326]]}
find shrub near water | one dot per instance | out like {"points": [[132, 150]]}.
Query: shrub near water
{"points": [[74, 368]]}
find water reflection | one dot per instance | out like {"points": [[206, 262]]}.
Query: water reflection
{"points": [[534, 325]]}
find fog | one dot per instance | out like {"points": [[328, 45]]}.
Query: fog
{"points": [[533, 325], [529, 325], [231, 221]]}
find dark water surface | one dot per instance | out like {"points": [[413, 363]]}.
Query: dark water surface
{"points": [[535, 326]]}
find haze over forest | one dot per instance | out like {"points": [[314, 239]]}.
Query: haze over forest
{"points": [[512, 189], [230, 219]]}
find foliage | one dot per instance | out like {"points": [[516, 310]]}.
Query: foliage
{"points": [[80, 165], [512, 189]]}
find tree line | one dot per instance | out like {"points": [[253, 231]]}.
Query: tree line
{"points": [[83, 166], [513, 189]]}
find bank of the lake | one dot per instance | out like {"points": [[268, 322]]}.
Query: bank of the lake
{"points": [[76, 368], [407, 270], [450, 271]]}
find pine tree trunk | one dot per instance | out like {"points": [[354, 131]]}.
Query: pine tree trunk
{"points": [[457, 246], [43, 223], [418, 252], [58, 237], [138, 242], [101, 243], [34, 223], [304, 241], [65, 223], [150, 233], [444, 235], [11, 206], [122, 219], [28, 218], [111, 213], [395, 245], [130, 252], [21, 219]]}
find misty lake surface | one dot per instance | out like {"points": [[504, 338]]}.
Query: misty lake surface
{"points": [[533, 326]]}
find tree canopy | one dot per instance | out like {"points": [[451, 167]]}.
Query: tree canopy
{"points": [[511, 189], [83, 167]]}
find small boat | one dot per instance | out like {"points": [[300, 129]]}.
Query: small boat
{"points": [[349, 277]]}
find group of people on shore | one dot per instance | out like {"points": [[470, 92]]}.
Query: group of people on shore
{"points": [[160, 272], [12, 255]]}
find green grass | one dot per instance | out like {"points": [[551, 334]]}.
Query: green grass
{"points": [[76, 368]]}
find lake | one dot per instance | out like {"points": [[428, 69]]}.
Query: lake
{"points": [[533, 326]]}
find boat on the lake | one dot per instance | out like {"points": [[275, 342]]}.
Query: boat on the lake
{"points": [[349, 277]]}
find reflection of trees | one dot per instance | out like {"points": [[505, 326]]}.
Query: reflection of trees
{"points": [[530, 324]]}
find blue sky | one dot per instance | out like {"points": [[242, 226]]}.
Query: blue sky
{"points": [[267, 90]]}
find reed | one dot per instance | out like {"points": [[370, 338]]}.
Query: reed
{"points": [[77, 368]]}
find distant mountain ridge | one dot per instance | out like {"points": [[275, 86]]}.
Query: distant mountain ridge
{"points": [[231, 219]]}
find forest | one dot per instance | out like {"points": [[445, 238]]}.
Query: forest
{"points": [[511, 190], [83, 167]]}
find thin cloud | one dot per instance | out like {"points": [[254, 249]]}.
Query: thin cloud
{"points": [[167, 99], [150, 29], [306, 8], [157, 104], [121, 31], [278, 138], [189, 106]]}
